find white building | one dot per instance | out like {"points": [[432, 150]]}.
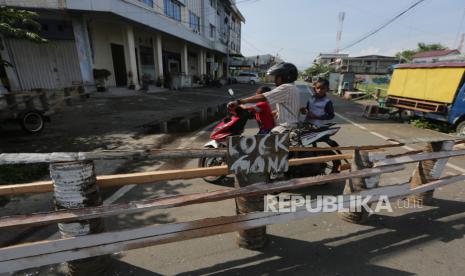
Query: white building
{"points": [[343, 63], [329, 59], [435, 56], [130, 38]]}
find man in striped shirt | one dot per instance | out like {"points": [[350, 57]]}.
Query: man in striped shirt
{"points": [[285, 96]]}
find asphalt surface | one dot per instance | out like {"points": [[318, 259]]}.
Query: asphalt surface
{"points": [[424, 241]]}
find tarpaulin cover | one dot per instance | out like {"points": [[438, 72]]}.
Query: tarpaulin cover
{"points": [[427, 84]]}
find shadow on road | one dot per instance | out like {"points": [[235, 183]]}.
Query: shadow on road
{"points": [[354, 252], [119, 268]]}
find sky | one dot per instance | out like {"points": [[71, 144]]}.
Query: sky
{"points": [[298, 30]]}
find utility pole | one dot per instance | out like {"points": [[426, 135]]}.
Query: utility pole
{"points": [[341, 18], [226, 21], [460, 46], [277, 54]]}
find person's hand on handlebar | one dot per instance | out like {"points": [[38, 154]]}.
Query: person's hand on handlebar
{"points": [[232, 105]]}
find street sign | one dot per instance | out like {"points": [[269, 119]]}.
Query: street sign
{"points": [[258, 154]]}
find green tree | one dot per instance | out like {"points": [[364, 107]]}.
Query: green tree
{"points": [[19, 24], [423, 47], [407, 55], [317, 69]]}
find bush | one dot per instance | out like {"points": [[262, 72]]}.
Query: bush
{"points": [[427, 124]]}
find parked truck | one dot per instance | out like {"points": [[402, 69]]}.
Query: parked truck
{"points": [[434, 91]]}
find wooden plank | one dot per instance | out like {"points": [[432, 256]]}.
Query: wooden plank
{"points": [[349, 148], [156, 154], [187, 153], [105, 181], [412, 108], [183, 200], [36, 254], [35, 187], [29, 158], [155, 176], [145, 177], [417, 140], [419, 157], [404, 153], [151, 177], [412, 100], [318, 159]]}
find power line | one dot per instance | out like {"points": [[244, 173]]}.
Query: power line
{"points": [[459, 28], [409, 26], [383, 25], [251, 44]]}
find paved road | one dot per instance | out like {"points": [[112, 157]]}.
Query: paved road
{"points": [[427, 241], [110, 120], [422, 241]]}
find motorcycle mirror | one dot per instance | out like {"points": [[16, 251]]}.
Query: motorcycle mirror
{"points": [[231, 92]]}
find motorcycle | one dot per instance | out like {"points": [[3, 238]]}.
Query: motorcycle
{"points": [[306, 135], [232, 125]]}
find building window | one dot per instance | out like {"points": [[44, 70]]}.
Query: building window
{"points": [[173, 9], [233, 24], [147, 2], [194, 22], [213, 3], [212, 31]]}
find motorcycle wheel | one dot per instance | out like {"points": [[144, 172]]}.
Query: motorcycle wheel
{"points": [[207, 162], [331, 166]]}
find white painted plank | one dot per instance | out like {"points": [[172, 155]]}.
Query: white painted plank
{"points": [[49, 252]]}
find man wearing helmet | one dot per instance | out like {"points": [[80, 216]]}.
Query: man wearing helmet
{"points": [[285, 96]]}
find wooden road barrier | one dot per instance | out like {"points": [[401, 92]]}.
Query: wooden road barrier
{"points": [[36, 254], [183, 200], [107, 181], [79, 212]]}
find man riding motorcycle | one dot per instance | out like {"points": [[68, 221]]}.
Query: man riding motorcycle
{"points": [[285, 96]]}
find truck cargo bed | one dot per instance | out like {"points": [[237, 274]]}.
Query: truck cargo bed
{"points": [[414, 104], [430, 84]]}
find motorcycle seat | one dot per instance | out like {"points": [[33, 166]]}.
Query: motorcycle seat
{"points": [[324, 127]]}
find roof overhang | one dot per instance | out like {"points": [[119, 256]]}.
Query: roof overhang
{"points": [[431, 65]]}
